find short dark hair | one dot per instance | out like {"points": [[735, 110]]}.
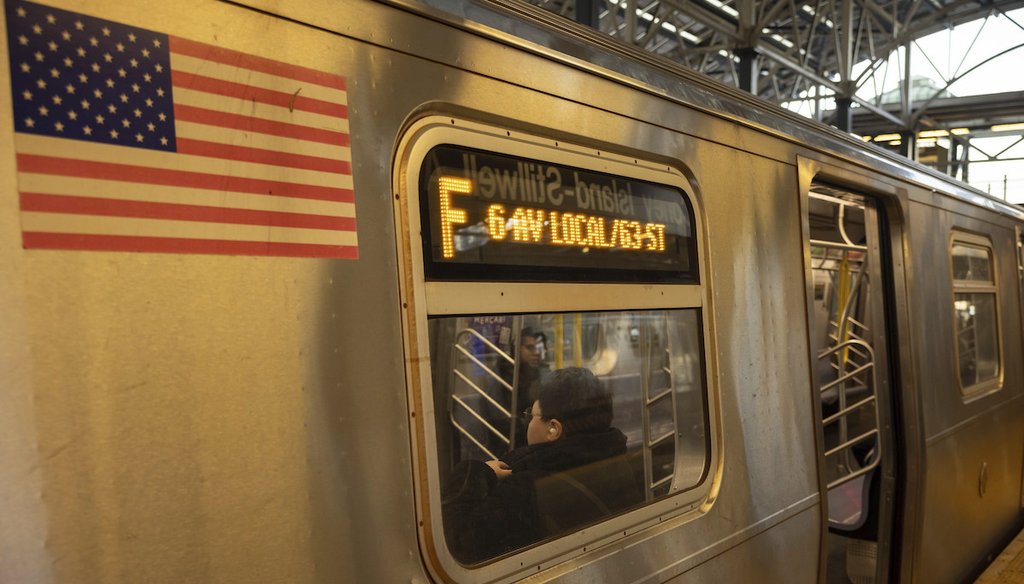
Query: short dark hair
{"points": [[529, 332], [576, 397]]}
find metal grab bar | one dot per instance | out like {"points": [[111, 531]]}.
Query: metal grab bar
{"points": [[649, 401], [859, 324], [845, 316], [860, 471], [482, 393], [480, 364], [665, 479], [845, 443], [864, 329], [468, 435], [664, 437], [459, 401], [845, 376], [848, 409], [837, 245], [850, 343], [849, 357], [852, 441], [497, 350], [660, 396], [486, 424]]}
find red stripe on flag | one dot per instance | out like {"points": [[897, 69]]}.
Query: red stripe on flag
{"points": [[177, 178], [45, 203], [257, 94], [235, 58], [188, 113], [42, 240], [261, 156]]}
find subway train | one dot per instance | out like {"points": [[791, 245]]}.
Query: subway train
{"points": [[275, 275]]}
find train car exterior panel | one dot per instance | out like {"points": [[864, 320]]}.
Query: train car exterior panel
{"points": [[764, 389], [767, 379], [484, 51], [973, 457], [144, 433], [302, 344], [755, 556], [972, 494], [179, 416], [789, 407], [947, 407]]}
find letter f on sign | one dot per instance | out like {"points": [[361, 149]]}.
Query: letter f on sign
{"points": [[446, 185]]}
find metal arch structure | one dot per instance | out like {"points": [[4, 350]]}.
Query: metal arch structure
{"points": [[784, 50]]}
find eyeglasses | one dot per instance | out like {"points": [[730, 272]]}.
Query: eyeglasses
{"points": [[528, 415]]}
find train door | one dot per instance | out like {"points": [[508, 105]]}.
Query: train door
{"points": [[1018, 231], [852, 379]]}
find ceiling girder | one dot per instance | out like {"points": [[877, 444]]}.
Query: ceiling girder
{"points": [[803, 47]]}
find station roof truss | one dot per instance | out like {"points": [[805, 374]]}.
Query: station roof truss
{"points": [[786, 51]]}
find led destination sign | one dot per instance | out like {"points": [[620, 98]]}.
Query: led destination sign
{"points": [[541, 220]]}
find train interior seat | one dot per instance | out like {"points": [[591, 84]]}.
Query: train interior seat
{"points": [[852, 511], [584, 494]]}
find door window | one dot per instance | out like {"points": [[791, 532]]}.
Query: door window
{"points": [[975, 314]]}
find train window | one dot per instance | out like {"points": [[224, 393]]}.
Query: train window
{"points": [[539, 441], [978, 353], [556, 323]]}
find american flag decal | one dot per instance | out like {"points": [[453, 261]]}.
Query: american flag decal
{"points": [[132, 140]]}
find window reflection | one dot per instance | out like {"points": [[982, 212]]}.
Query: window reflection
{"points": [[560, 420], [977, 343], [971, 263], [975, 314]]}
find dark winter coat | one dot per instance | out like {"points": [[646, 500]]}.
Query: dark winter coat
{"points": [[554, 487]]}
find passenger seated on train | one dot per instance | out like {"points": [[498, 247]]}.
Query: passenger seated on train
{"points": [[573, 471]]}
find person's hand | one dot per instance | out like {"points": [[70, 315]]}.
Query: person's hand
{"points": [[500, 468]]}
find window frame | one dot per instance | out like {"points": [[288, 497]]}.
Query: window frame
{"points": [[421, 298], [988, 386]]}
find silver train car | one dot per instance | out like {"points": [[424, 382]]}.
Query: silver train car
{"points": [[276, 275]]}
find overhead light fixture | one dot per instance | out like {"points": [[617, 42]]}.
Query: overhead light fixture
{"points": [[960, 131], [933, 134], [785, 42], [1007, 127], [668, 26], [688, 36], [721, 6], [887, 137]]}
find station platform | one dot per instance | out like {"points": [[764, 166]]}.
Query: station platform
{"points": [[1008, 568]]}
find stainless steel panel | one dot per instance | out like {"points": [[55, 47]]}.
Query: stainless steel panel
{"points": [[932, 314], [183, 417], [960, 527], [201, 418], [23, 530], [756, 559], [972, 495], [754, 248], [769, 457], [540, 32]]}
